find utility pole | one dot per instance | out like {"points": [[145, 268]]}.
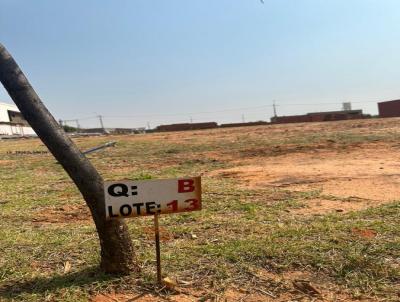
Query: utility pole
{"points": [[274, 105], [78, 127], [191, 120], [101, 122]]}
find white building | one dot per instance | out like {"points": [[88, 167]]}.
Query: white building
{"points": [[12, 122]]}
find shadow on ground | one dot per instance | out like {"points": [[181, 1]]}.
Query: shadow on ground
{"points": [[84, 278]]}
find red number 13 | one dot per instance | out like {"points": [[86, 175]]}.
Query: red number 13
{"points": [[194, 204], [174, 205]]}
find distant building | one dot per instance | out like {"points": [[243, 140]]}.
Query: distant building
{"points": [[113, 130], [320, 117], [258, 123], [186, 126], [389, 108], [12, 122], [128, 130]]}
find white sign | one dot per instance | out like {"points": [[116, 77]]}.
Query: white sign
{"points": [[148, 197]]}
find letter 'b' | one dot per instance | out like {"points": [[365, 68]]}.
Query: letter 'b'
{"points": [[185, 185]]}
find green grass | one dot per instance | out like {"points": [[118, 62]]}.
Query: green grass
{"points": [[239, 231]]}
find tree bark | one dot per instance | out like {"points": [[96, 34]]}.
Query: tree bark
{"points": [[117, 253]]}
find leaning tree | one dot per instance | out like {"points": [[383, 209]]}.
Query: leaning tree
{"points": [[117, 252]]}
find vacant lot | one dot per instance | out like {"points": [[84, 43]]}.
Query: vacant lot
{"points": [[300, 212]]}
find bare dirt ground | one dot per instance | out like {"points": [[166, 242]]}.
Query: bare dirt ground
{"points": [[353, 175], [366, 175], [258, 181]]}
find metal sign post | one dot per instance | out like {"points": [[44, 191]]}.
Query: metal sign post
{"points": [[158, 252]]}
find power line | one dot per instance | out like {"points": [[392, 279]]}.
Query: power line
{"points": [[231, 110], [158, 117], [185, 114], [316, 104], [274, 105]]}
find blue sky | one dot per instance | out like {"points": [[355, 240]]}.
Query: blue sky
{"points": [[162, 61]]}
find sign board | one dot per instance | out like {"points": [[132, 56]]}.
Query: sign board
{"points": [[149, 197]]}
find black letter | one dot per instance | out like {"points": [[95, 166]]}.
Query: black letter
{"points": [[111, 212], [127, 206], [137, 206], [149, 207], [123, 190]]}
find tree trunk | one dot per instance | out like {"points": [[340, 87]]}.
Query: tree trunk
{"points": [[117, 253]]}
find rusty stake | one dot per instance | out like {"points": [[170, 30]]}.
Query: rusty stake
{"points": [[158, 253]]}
